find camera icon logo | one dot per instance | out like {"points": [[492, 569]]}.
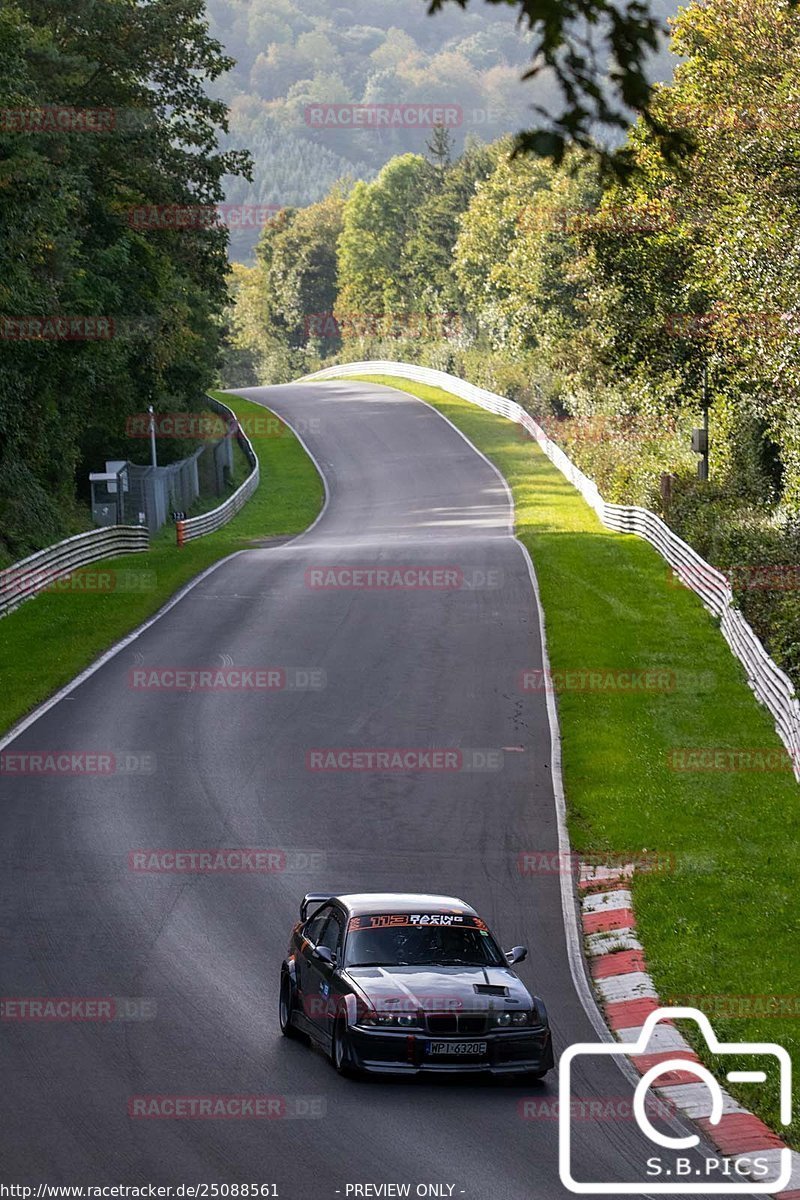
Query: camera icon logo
{"points": [[689, 1183]]}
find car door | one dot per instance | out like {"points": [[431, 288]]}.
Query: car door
{"points": [[320, 974], [306, 981]]}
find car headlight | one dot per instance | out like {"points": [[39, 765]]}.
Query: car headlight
{"points": [[508, 1020], [390, 1020]]}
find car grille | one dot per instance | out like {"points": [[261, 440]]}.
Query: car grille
{"points": [[443, 1023]]}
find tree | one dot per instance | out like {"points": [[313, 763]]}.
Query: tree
{"points": [[70, 247], [429, 252], [378, 219], [440, 152], [597, 52], [302, 278]]}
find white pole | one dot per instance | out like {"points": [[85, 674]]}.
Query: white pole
{"points": [[152, 436]]}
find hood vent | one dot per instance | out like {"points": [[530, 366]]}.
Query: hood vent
{"points": [[490, 989]]}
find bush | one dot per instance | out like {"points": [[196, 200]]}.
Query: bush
{"points": [[759, 551]]}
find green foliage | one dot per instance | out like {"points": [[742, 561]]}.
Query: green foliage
{"points": [[731, 835], [599, 53], [378, 221], [600, 304], [291, 54], [69, 248], [83, 624]]}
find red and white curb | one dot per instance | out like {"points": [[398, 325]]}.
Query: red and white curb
{"points": [[627, 995]]}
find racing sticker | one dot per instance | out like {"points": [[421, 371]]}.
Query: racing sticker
{"points": [[415, 920]]}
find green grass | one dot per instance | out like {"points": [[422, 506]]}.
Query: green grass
{"points": [[724, 922], [49, 639]]}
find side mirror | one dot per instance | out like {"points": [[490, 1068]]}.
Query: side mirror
{"points": [[517, 954], [324, 955]]}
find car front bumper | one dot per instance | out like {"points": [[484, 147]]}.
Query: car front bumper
{"points": [[406, 1052]]}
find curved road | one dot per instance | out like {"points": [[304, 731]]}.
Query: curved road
{"points": [[418, 668]]}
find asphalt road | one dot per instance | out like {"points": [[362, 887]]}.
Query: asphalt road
{"points": [[416, 668]]}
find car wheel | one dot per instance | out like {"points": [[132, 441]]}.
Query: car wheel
{"points": [[286, 1006], [340, 1049]]}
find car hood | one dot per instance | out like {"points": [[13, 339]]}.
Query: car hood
{"points": [[440, 989]]}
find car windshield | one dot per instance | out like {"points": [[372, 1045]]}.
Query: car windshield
{"points": [[415, 945]]}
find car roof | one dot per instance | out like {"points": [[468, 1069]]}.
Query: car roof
{"points": [[361, 903]]}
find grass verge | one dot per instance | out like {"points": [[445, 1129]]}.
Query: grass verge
{"points": [[50, 639], [721, 928]]}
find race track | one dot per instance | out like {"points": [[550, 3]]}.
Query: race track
{"points": [[416, 668]]}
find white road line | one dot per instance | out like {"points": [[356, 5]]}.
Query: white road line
{"points": [[302, 441], [569, 902], [63, 692]]}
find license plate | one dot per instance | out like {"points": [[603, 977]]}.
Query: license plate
{"points": [[457, 1049]]}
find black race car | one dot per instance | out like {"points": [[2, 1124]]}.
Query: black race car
{"points": [[393, 983]]}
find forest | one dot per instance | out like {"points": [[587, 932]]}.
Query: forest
{"points": [[614, 305], [614, 309], [126, 128], [126, 316], [289, 56]]}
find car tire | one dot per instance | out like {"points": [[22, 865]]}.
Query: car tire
{"points": [[340, 1049], [286, 1006]]}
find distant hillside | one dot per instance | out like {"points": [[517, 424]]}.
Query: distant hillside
{"points": [[293, 58]]}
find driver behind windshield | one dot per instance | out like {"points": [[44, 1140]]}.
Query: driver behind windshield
{"points": [[423, 946]]}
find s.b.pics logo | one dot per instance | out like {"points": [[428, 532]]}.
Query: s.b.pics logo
{"points": [[673, 1162]]}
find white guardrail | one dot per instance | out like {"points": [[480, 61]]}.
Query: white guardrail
{"points": [[40, 570], [194, 527], [769, 683]]}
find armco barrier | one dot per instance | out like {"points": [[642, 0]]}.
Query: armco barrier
{"points": [[769, 683], [194, 527], [37, 572]]}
